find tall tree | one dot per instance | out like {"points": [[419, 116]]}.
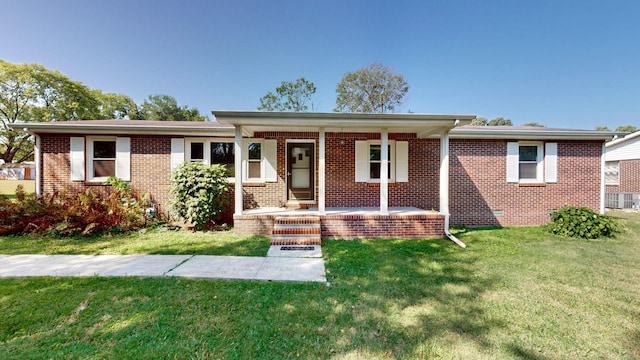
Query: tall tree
{"points": [[165, 107], [500, 121], [479, 121], [116, 106], [30, 92], [602, 128], [375, 89], [533, 124], [289, 96], [627, 128]]}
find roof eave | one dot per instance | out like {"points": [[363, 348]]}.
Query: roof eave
{"points": [[56, 128], [331, 119], [532, 135]]}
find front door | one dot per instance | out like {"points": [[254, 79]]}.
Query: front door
{"points": [[300, 171]]}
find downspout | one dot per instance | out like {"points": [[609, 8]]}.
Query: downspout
{"points": [[444, 185], [603, 163], [36, 159]]}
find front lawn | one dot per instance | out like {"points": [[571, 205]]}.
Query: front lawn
{"points": [[514, 293], [8, 187], [151, 241]]}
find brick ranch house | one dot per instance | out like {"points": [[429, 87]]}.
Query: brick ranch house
{"points": [[349, 174], [622, 172]]}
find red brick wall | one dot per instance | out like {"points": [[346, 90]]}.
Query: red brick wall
{"points": [[421, 191], [478, 185], [150, 167], [629, 177], [477, 180]]}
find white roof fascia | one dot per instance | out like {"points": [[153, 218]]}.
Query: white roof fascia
{"points": [[622, 139], [459, 133], [92, 129]]}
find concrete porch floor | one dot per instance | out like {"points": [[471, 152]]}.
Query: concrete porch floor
{"points": [[409, 210]]}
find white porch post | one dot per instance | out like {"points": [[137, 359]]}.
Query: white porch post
{"points": [[384, 172], [444, 176], [36, 158], [321, 172], [237, 148]]}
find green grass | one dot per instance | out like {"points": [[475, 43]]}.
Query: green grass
{"points": [[153, 241], [8, 187], [514, 293]]}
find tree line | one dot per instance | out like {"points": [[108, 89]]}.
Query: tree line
{"points": [[32, 93]]}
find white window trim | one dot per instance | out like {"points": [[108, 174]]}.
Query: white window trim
{"points": [[90, 141], [206, 150], [539, 162], [611, 164], [268, 172], [245, 166], [392, 160]]}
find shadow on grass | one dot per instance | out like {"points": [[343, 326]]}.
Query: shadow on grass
{"points": [[398, 294]]}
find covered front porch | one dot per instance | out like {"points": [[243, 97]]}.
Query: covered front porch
{"points": [[386, 179]]}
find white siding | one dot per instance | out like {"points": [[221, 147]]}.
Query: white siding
{"points": [[626, 150]]}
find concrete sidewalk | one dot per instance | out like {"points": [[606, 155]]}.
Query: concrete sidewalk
{"points": [[189, 266]]}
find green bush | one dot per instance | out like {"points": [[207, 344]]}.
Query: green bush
{"points": [[201, 192], [581, 222]]}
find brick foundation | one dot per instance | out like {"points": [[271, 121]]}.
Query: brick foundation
{"points": [[345, 226]]}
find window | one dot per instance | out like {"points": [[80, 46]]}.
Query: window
{"points": [[218, 151], [375, 157], [612, 173], [254, 170], [368, 156], [529, 162], [532, 162], [223, 153], [104, 157], [259, 157], [197, 152]]}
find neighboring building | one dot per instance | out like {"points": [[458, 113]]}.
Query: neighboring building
{"points": [[358, 175], [23, 171], [622, 174]]}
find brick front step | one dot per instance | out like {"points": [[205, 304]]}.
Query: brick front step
{"points": [[296, 230], [294, 240]]}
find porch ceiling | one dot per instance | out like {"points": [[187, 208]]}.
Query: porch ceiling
{"points": [[423, 125]]}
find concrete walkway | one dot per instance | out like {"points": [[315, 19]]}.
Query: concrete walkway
{"points": [[188, 266]]}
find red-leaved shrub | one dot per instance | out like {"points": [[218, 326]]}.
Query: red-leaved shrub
{"points": [[84, 213]]}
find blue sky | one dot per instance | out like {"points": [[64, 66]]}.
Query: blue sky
{"points": [[573, 64]]}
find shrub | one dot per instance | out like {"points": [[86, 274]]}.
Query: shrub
{"points": [[581, 222], [84, 213], [201, 192]]}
